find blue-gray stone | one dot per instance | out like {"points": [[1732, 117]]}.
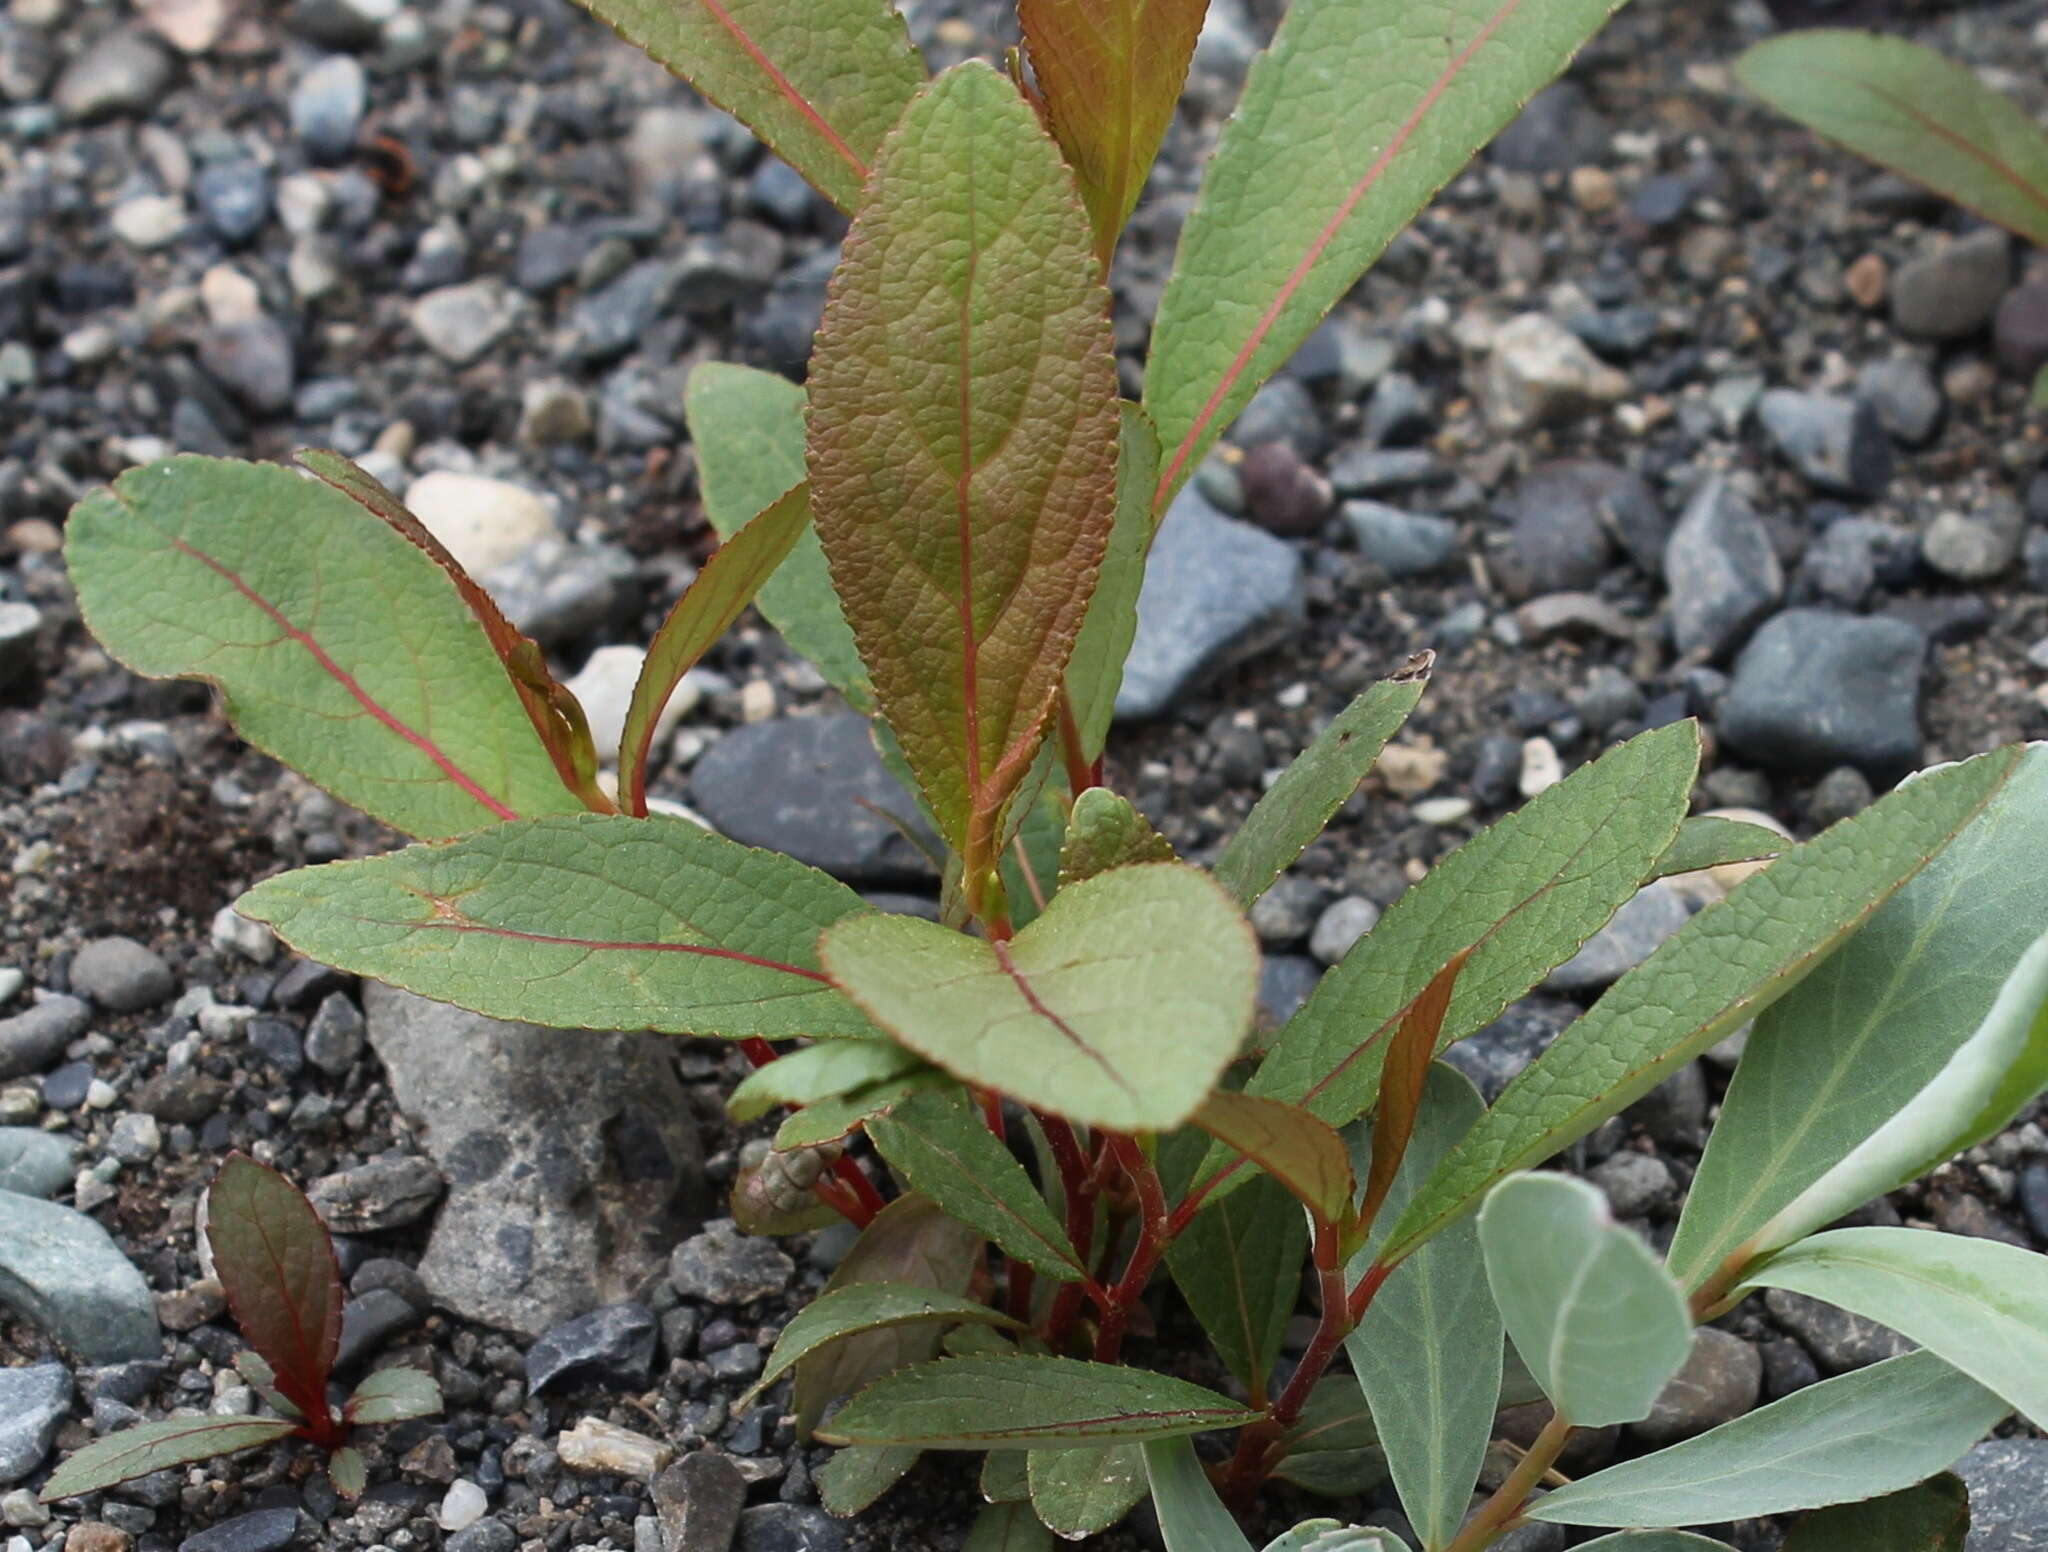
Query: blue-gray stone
{"points": [[267, 1530], [36, 1036], [33, 1401], [370, 1321], [1815, 689], [327, 106], [2008, 1482], [60, 1271], [611, 1346], [34, 1163], [121, 974], [235, 197], [1721, 570], [1400, 543], [1836, 443], [1216, 592]]}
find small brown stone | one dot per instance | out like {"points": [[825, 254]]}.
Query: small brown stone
{"points": [[1868, 279], [92, 1536], [1593, 189]]}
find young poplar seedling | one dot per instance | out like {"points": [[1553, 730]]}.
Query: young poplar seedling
{"points": [[276, 1264], [1044, 1111]]}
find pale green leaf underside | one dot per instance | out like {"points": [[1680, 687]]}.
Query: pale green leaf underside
{"points": [[855, 1477], [1888, 1022], [338, 645], [1191, 1517], [828, 1070], [748, 428], [393, 1395], [1096, 670], [583, 922], [1591, 1310], [1654, 1541], [1720, 969], [1118, 1007], [820, 82], [1708, 842], [828, 1120], [1026, 1403], [863, 1307], [1980, 1305], [1348, 126], [136, 1452], [1855, 1436], [1913, 110]]}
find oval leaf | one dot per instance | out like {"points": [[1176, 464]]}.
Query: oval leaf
{"points": [[1083, 1492], [1304, 1154], [1594, 1314], [394, 1395], [176, 1441], [1105, 831], [276, 1264], [853, 1479], [828, 1070], [583, 922], [1855, 1436], [963, 443], [1119, 1006], [337, 644], [834, 1316], [1027, 1403]]}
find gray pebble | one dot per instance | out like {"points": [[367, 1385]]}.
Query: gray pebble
{"points": [[1974, 547], [1953, 291], [327, 106], [612, 1346], [781, 1527], [2008, 1482], [35, 1163], [1399, 543], [61, 1271], [1630, 937], [385, 1193], [1722, 572], [1287, 912], [266, 1530], [21, 627], [234, 197], [1635, 1184], [724, 1266], [33, 1403], [252, 358], [35, 1037], [121, 974], [334, 1038], [1721, 1381], [1816, 689], [124, 72], [1840, 1340], [1837, 443], [1841, 794], [1341, 925], [369, 1321], [1905, 396]]}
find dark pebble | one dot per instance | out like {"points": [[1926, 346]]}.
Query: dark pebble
{"points": [[612, 1346], [267, 1530], [368, 1322]]}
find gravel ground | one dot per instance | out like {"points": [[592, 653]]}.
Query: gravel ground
{"points": [[1663, 410]]}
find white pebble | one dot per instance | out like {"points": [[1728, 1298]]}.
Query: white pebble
{"points": [[1441, 811], [234, 933], [1342, 924], [1541, 767], [463, 1507], [11, 981], [100, 1095]]}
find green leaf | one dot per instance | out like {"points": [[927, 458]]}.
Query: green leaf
{"points": [[853, 1479], [1873, 1431], [1912, 110], [176, 1441], [1304, 1154], [1923, 1035], [1077, 1014], [337, 644], [1027, 1403], [276, 1264], [1111, 73], [1723, 967], [1654, 1541], [1707, 842], [1105, 831], [940, 1145], [1096, 670], [1522, 896], [1007, 1527], [1600, 1323], [584, 921], [709, 605], [1933, 1517], [1428, 1351], [1979, 1304], [1238, 1265], [394, 1395], [748, 429], [776, 1194], [1191, 1517], [1333, 1449], [963, 443], [828, 1120], [1330, 1536], [914, 1241], [347, 1472], [844, 1312], [1349, 124], [1082, 1492], [819, 82], [831, 1069], [1040, 837], [1006, 1476], [1297, 806], [262, 1379]]}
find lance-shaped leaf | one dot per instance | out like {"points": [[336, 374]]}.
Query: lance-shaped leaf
{"points": [[963, 442], [1720, 969], [1027, 1403], [1238, 1264], [1911, 109], [1304, 1154], [1096, 670], [1933, 1517], [556, 714], [348, 1472], [854, 1478], [1083, 1492], [828, 1070], [912, 1240], [1708, 842], [1333, 1449], [1118, 1007], [1297, 806], [1007, 1527], [1111, 73], [147, 1447], [940, 1145], [276, 1264], [1191, 1517], [337, 644], [1428, 1350], [1925, 1034], [1402, 1085], [1981, 1305], [1591, 1310], [828, 1120], [1874, 1431], [1313, 177], [583, 921], [820, 83], [394, 1395], [709, 605], [1105, 831], [748, 429], [834, 1316], [1031, 865], [1521, 897]]}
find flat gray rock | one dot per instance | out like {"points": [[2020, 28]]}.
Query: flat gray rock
{"points": [[35, 1163], [1723, 574], [61, 1272], [34, 1038], [1815, 689], [33, 1402], [571, 1163], [2008, 1482]]}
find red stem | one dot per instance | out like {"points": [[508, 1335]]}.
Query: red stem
{"points": [[1145, 1255], [848, 1191], [1075, 1178], [1082, 773]]}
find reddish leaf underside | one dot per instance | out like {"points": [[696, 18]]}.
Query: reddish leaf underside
{"points": [[276, 1262], [1111, 73], [963, 442], [1409, 1054], [1303, 1153]]}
